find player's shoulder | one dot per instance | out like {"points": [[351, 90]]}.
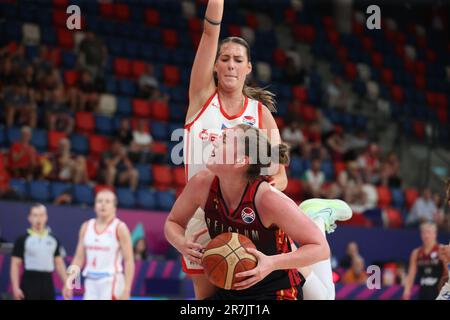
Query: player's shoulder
{"points": [[202, 177], [22, 238], [267, 194]]}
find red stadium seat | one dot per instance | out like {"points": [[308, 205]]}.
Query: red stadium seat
{"points": [[367, 44], [400, 50], [138, 68], [279, 57], [300, 93], [342, 53], [179, 177], [387, 76], [397, 93], [107, 10], [350, 70], [141, 108], [92, 165], [308, 113], [328, 22], [377, 59], [393, 217], [122, 11], [431, 98], [294, 189], [152, 17], [441, 100], [290, 15], [65, 39], [98, 144], [384, 196], [84, 122], [134, 124], [389, 34], [171, 75], [195, 24], [61, 4], [305, 33], [430, 56], [70, 77], [442, 115], [170, 38], [252, 20], [409, 65], [339, 166], [54, 56], [280, 122], [358, 27], [421, 42], [122, 67], [162, 176], [333, 37], [420, 82], [60, 18], [234, 30], [419, 129], [411, 196], [399, 38], [420, 67], [159, 110], [357, 219], [159, 147], [53, 139]]}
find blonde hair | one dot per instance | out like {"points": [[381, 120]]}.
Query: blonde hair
{"points": [[266, 97]]}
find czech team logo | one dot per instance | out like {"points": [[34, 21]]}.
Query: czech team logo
{"points": [[249, 120], [248, 215]]}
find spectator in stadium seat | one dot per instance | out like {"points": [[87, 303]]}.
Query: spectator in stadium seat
{"points": [[357, 273], [314, 179], [351, 252], [335, 95], [335, 144], [293, 73], [440, 209], [19, 100], [390, 171], [148, 84], [124, 134], [292, 134], [423, 210], [23, 156], [93, 55], [84, 96], [59, 118], [369, 163], [117, 167], [69, 167], [142, 141], [7, 72], [41, 63]]}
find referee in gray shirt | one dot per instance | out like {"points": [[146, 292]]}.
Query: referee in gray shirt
{"points": [[40, 253]]}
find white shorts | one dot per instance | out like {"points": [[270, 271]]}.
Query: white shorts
{"points": [[197, 223], [106, 288], [445, 292]]}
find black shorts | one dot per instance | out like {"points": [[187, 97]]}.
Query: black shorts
{"points": [[38, 285]]}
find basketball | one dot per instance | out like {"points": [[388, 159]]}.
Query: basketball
{"points": [[225, 256]]}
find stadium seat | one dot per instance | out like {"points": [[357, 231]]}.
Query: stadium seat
{"points": [[398, 199], [171, 75], [103, 124], [159, 110], [68, 59], [122, 11], [165, 200], [53, 139], [127, 87], [70, 77], [122, 67], [79, 144], [107, 104], [126, 198], [295, 167], [162, 176], [393, 218], [145, 174], [65, 38], [146, 199], [124, 108], [179, 176], [419, 129], [20, 187], [3, 138], [159, 130], [57, 188], [384, 196], [98, 144], [84, 122], [294, 189], [375, 216], [170, 38], [83, 194], [138, 68], [39, 190], [152, 17], [107, 10], [39, 139], [300, 93], [159, 147], [141, 108]]}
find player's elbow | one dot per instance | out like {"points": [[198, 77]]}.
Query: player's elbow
{"points": [[324, 251]]}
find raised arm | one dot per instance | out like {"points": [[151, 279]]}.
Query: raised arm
{"points": [[270, 128], [202, 84]]}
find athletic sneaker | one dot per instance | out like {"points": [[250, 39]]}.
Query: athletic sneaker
{"points": [[330, 210]]}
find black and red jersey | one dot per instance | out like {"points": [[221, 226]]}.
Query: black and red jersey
{"points": [[270, 241], [430, 270]]}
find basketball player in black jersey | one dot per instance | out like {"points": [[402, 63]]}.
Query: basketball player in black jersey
{"points": [[236, 198], [425, 262]]}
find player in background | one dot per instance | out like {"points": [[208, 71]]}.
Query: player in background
{"points": [[104, 245], [219, 98]]}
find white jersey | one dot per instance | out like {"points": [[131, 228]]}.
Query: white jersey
{"points": [[103, 254], [205, 126]]}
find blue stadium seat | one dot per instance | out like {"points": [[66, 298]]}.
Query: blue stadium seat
{"points": [[13, 31], [3, 140], [165, 200], [80, 143], [177, 112], [20, 187], [48, 35], [296, 167], [398, 199], [127, 87], [111, 85], [13, 134], [31, 52], [57, 188], [145, 174], [103, 124], [146, 199], [83, 194], [39, 139], [132, 49], [328, 169], [126, 198], [124, 106], [40, 190], [159, 130], [375, 216]]}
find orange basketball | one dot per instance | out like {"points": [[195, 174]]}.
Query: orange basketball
{"points": [[225, 256]]}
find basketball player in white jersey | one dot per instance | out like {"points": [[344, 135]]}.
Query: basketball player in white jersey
{"points": [[104, 245], [219, 99]]}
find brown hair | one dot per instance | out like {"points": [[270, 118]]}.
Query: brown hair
{"points": [[277, 154], [261, 94]]}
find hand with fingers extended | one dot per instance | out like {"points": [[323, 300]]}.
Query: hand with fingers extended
{"points": [[263, 269], [192, 250]]}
